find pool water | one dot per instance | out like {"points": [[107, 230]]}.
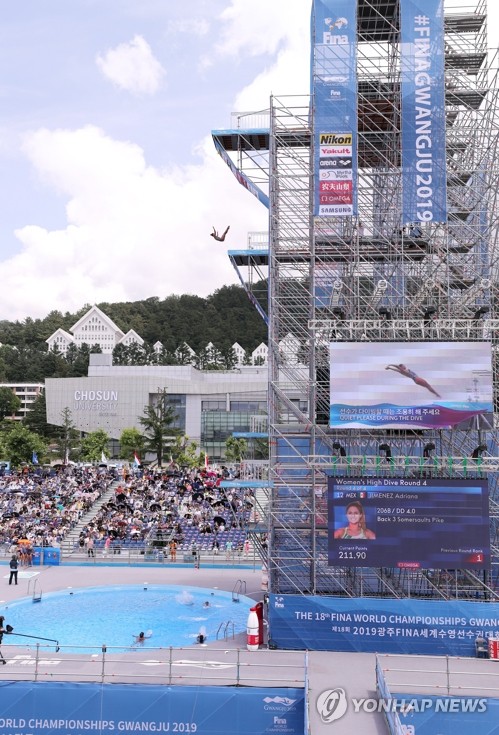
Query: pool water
{"points": [[93, 616]]}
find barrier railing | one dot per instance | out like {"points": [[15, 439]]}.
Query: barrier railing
{"points": [[195, 665], [134, 558], [442, 675]]}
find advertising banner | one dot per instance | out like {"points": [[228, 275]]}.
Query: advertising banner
{"points": [[408, 523], [416, 385], [334, 81], [77, 709], [424, 195], [373, 625]]}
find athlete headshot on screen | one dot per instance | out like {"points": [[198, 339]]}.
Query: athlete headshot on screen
{"points": [[356, 528]]}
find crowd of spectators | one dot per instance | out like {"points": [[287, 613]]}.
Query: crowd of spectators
{"points": [[39, 508], [170, 510], [150, 511]]}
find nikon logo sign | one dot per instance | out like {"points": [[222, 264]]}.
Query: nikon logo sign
{"points": [[335, 139]]}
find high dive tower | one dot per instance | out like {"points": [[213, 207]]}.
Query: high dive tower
{"points": [[382, 192]]}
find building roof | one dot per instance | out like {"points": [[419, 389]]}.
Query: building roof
{"points": [[133, 335], [63, 333], [103, 317]]}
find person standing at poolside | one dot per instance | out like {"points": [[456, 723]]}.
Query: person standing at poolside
{"points": [[173, 550], [13, 569], [89, 545]]}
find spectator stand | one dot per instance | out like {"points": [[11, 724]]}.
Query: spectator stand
{"points": [[40, 509], [134, 518], [257, 493]]}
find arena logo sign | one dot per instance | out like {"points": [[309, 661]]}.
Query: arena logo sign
{"points": [[333, 704]]}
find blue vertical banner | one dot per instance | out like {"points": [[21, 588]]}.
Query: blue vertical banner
{"points": [[334, 89], [424, 194]]}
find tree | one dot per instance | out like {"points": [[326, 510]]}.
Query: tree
{"points": [[94, 445], [185, 452], [36, 418], [235, 449], [20, 443], [229, 357], [157, 422], [68, 435], [183, 354], [9, 403], [131, 441], [261, 449]]}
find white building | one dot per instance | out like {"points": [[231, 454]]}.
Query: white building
{"points": [[130, 338], [27, 394], [96, 328], [240, 354], [210, 405], [260, 355], [60, 341]]}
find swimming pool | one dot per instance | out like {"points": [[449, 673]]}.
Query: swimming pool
{"points": [[93, 616]]}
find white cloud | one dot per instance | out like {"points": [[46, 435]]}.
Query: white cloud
{"points": [[280, 28], [132, 230], [192, 26], [260, 26], [132, 66]]}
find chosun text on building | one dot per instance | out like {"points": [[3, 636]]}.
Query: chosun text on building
{"points": [[95, 400]]}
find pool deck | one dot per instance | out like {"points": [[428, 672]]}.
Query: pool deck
{"points": [[224, 662], [221, 662], [56, 578]]}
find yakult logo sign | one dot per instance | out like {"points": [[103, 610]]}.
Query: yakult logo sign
{"points": [[332, 704]]}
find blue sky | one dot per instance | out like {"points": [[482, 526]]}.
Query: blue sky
{"points": [[110, 182]]}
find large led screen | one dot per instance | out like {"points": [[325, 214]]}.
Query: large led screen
{"points": [[416, 385], [408, 523]]}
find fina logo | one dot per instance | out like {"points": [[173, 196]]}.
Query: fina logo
{"points": [[338, 23], [332, 36], [332, 704], [279, 700]]}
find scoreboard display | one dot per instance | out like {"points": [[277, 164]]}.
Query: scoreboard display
{"points": [[408, 523]]}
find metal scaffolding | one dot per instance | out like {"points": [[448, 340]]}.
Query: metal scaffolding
{"points": [[365, 278]]}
